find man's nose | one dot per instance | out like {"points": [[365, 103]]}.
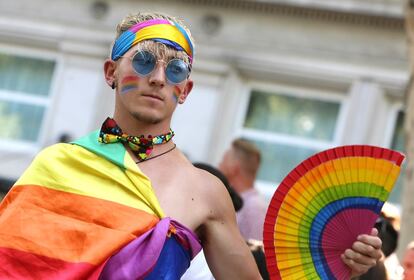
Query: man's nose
{"points": [[157, 77]]}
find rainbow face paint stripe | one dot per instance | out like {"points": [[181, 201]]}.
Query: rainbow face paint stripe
{"points": [[161, 30], [129, 83]]}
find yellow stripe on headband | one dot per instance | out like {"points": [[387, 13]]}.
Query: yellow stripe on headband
{"points": [[163, 31]]}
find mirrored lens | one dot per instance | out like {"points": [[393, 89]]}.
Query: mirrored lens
{"points": [[176, 71], [143, 63]]}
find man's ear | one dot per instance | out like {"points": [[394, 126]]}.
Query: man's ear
{"points": [[186, 91], [237, 168], [109, 72]]}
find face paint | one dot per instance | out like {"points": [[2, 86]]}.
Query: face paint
{"points": [[177, 93], [129, 83]]}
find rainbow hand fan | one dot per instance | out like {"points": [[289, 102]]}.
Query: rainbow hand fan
{"points": [[321, 207]]}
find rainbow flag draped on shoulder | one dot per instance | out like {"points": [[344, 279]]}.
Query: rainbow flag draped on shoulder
{"points": [[86, 211]]}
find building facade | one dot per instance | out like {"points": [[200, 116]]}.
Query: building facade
{"points": [[294, 76]]}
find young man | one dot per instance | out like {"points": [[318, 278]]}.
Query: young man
{"points": [[117, 205], [408, 262]]}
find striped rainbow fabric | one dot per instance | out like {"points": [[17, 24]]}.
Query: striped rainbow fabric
{"points": [[82, 211]]}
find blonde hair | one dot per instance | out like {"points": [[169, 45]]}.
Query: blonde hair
{"points": [[248, 155], [410, 245], [160, 50]]}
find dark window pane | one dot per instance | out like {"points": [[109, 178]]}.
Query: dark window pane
{"points": [[24, 74], [20, 121], [302, 117], [398, 143], [278, 160]]}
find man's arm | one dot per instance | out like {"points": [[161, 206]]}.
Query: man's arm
{"points": [[364, 254], [227, 253]]}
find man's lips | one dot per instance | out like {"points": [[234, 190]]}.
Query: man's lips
{"points": [[153, 96]]}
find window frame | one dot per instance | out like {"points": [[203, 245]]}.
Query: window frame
{"points": [[312, 93], [24, 146], [396, 108], [390, 127]]}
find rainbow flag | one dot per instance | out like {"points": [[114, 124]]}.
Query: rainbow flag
{"points": [[86, 211]]}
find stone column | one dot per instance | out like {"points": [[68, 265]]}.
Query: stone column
{"points": [[407, 221]]}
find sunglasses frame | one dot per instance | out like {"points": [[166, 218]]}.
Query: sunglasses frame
{"points": [[155, 65]]}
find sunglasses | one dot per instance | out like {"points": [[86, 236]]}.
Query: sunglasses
{"points": [[176, 71]]}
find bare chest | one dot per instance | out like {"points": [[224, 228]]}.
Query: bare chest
{"points": [[178, 196]]}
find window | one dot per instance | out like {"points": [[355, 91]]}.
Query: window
{"points": [[288, 128], [25, 85], [398, 144]]}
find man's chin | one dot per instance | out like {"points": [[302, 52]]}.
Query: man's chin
{"points": [[147, 118]]}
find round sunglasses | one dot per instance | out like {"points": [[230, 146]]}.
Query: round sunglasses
{"points": [[176, 71]]}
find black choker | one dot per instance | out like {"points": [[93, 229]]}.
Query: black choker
{"points": [[147, 159]]}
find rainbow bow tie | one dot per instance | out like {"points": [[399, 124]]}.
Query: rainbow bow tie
{"points": [[140, 145]]}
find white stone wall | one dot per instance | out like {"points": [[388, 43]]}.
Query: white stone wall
{"points": [[382, 7]]}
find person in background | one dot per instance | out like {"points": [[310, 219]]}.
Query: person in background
{"points": [[240, 165], [378, 272], [388, 225], [257, 249], [408, 262]]}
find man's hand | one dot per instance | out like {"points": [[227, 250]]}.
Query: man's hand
{"points": [[364, 254]]}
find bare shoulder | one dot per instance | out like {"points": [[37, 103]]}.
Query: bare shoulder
{"points": [[199, 180], [214, 199], [218, 207], [211, 187]]}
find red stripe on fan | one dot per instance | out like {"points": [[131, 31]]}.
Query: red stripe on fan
{"points": [[359, 150], [397, 158], [348, 151], [315, 160], [377, 152], [363, 150], [367, 151], [301, 169], [387, 153], [322, 157], [308, 164], [398, 161]]}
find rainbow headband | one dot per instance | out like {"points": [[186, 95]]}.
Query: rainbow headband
{"points": [[160, 30]]}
